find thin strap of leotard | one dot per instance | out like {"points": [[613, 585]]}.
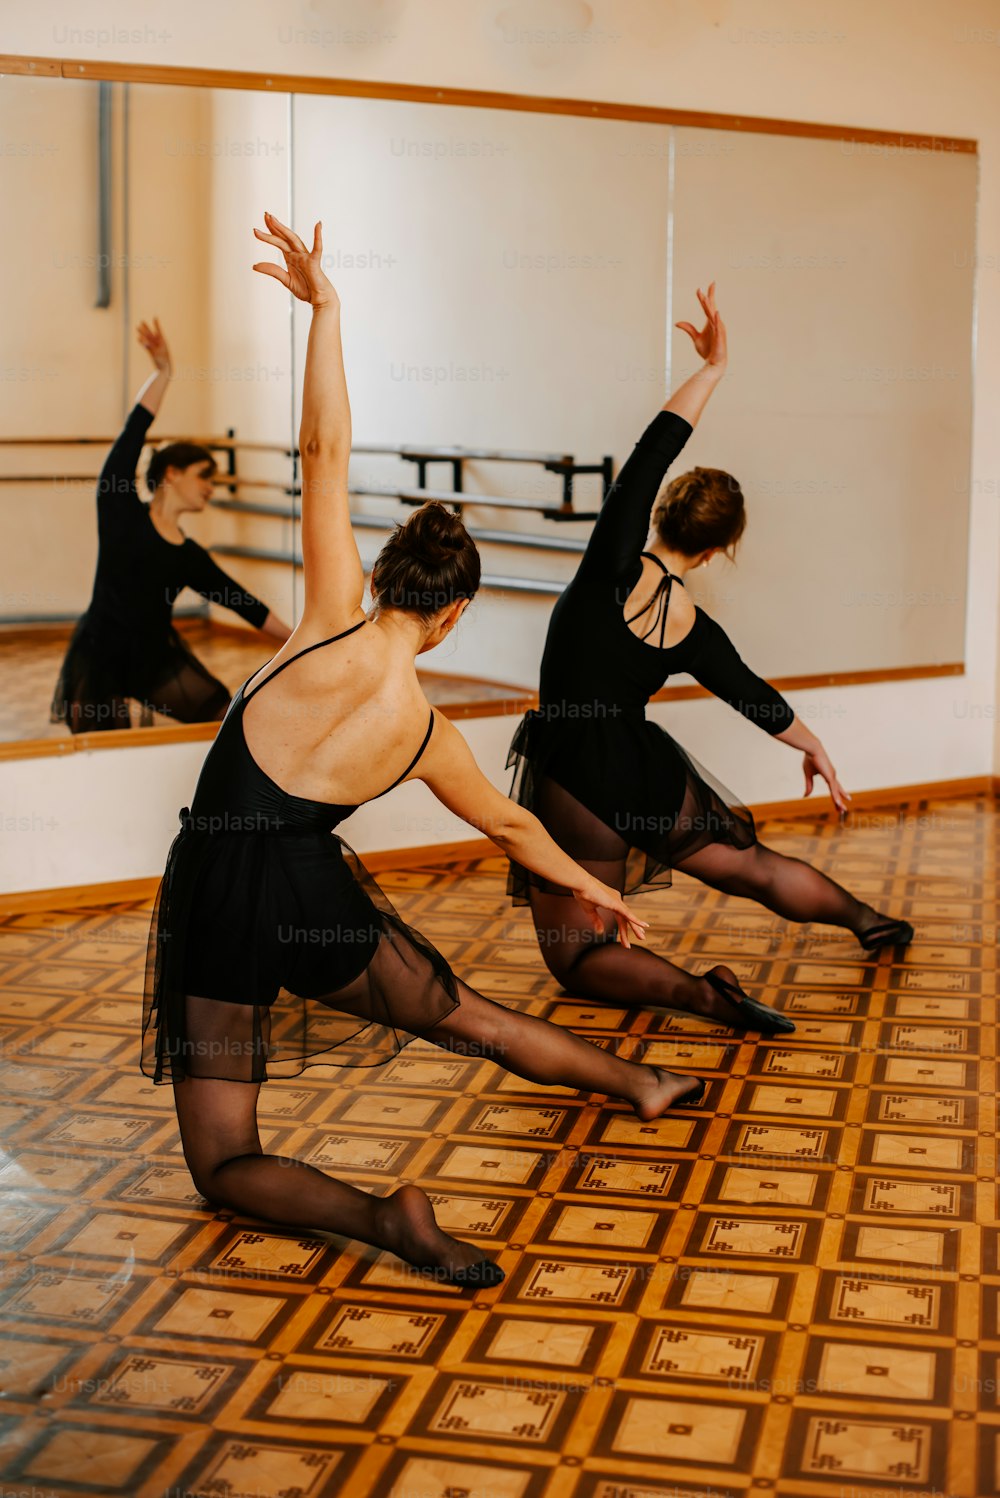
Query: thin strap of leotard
{"points": [[299, 653], [661, 594], [423, 746]]}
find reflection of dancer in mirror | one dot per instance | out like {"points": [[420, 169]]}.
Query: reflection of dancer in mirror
{"points": [[616, 791], [271, 947], [126, 645]]}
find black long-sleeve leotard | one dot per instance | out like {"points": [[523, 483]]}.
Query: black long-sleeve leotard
{"points": [[608, 784], [592, 656], [125, 645], [139, 573]]}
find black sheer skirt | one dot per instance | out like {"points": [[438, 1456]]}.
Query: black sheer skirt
{"points": [[271, 952], [105, 665], [618, 793]]}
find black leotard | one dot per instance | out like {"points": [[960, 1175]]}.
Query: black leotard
{"points": [[609, 785], [125, 644], [270, 943]]}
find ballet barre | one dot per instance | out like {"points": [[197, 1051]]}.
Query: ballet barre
{"points": [[563, 465]]}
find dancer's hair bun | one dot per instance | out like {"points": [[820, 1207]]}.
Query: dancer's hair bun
{"points": [[427, 563], [433, 533], [702, 510]]}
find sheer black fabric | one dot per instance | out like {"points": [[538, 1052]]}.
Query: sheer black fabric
{"points": [[271, 946], [622, 795], [104, 667], [125, 646]]}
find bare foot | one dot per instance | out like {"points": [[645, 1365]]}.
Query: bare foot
{"points": [[661, 1089], [406, 1226]]}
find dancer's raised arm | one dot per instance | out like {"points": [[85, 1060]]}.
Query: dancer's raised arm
{"points": [[152, 392], [620, 531], [116, 495], [333, 575]]}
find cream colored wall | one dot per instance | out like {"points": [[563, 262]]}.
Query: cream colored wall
{"points": [[898, 66], [62, 355]]}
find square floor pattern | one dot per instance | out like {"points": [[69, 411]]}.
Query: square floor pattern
{"points": [[794, 1289]]}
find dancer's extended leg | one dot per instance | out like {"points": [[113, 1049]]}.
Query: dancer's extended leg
{"points": [[546, 1053], [788, 886]]}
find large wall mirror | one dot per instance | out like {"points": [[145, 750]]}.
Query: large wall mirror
{"points": [[510, 281]]}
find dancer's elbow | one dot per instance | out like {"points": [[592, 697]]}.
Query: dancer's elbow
{"points": [[511, 828], [318, 446]]}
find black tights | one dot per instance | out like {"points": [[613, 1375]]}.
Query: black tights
{"points": [[597, 966], [218, 1126]]}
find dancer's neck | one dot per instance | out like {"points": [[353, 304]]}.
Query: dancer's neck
{"points": [[675, 562], [405, 632]]}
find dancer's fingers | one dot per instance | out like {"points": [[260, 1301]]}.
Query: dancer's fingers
{"points": [[279, 244], [268, 268], [840, 796], [687, 328], [279, 228], [629, 924], [317, 248]]}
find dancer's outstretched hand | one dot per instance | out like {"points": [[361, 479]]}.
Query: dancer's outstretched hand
{"points": [[303, 272], [710, 342], [819, 764], [595, 896], [153, 341]]}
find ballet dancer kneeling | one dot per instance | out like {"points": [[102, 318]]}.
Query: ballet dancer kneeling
{"points": [[620, 794], [271, 947]]}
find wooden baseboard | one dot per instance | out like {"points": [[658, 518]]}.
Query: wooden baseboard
{"points": [[73, 896]]}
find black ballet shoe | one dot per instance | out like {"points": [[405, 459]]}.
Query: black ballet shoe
{"points": [[755, 1016], [886, 934]]}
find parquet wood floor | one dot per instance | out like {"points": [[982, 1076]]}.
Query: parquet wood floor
{"points": [[792, 1290]]}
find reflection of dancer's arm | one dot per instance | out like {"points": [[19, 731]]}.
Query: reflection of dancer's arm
{"points": [[207, 578], [620, 531], [118, 473], [333, 576], [153, 341], [719, 667], [449, 769]]}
